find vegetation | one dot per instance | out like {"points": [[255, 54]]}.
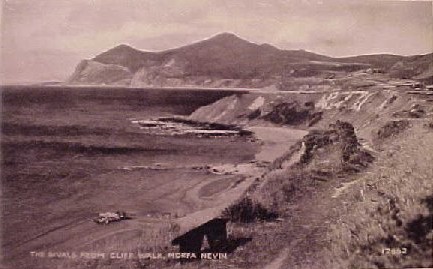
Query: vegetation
{"points": [[390, 224], [392, 128], [246, 211]]}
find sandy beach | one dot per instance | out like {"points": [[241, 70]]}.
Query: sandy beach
{"points": [[275, 141]]}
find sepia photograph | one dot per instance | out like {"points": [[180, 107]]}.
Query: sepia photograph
{"points": [[220, 134]]}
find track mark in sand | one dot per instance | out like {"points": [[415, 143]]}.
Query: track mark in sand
{"points": [[278, 261], [67, 225], [90, 240]]}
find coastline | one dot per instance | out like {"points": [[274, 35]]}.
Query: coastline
{"points": [[272, 146], [186, 87]]}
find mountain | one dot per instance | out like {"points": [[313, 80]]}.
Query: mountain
{"points": [[419, 67], [378, 60], [224, 60], [95, 72], [125, 56]]}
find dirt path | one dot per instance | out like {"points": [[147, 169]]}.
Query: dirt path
{"points": [[278, 262], [306, 227]]}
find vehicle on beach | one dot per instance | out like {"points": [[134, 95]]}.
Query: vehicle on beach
{"points": [[108, 217]]}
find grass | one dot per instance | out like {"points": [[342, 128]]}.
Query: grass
{"points": [[246, 211], [387, 211], [392, 211]]}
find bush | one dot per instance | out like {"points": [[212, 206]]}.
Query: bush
{"points": [[429, 124], [247, 211], [392, 128]]}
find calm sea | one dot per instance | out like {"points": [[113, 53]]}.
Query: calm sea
{"points": [[67, 154]]}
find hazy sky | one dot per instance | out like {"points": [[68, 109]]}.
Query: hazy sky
{"points": [[45, 39]]}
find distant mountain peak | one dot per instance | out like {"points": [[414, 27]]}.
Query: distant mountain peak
{"points": [[268, 46], [227, 37], [123, 55], [123, 47]]}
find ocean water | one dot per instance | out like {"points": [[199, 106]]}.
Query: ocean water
{"points": [[66, 154]]}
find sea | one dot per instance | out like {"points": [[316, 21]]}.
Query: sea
{"points": [[69, 153]]}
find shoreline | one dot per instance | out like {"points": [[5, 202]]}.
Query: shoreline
{"points": [[273, 145], [122, 87]]}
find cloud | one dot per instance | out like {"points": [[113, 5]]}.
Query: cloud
{"points": [[129, 33]]}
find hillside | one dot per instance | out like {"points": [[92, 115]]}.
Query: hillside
{"points": [[352, 193], [419, 67], [225, 60], [352, 190]]}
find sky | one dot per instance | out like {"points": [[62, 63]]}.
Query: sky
{"points": [[43, 40]]}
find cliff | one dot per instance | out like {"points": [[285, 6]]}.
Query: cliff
{"points": [[93, 72]]}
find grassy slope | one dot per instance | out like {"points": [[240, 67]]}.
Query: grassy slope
{"points": [[387, 206], [349, 230], [393, 208]]}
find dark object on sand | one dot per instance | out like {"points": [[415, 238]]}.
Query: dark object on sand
{"points": [[108, 217]]}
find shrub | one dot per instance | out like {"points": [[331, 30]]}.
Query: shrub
{"points": [[247, 211], [392, 128], [429, 124]]}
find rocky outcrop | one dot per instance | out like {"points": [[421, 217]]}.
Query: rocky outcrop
{"points": [[335, 149], [168, 73], [293, 113]]}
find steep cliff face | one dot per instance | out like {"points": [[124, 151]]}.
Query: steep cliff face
{"points": [[170, 72], [92, 72]]}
